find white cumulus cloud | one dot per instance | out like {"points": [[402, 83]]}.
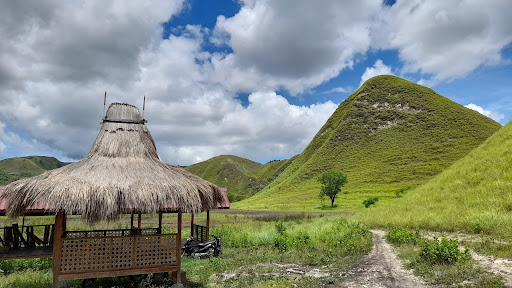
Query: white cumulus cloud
{"points": [[447, 39], [496, 116], [379, 68]]}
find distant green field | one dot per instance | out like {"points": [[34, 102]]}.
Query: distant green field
{"points": [[241, 176], [388, 135], [13, 169], [474, 195]]}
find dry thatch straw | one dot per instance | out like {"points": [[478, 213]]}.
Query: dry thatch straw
{"points": [[121, 171]]}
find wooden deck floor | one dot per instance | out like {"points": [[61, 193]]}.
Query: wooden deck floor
{"points": [[37, 252]]}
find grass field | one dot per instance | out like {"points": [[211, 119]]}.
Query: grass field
{"points": [[253, 242], [474, 195]]}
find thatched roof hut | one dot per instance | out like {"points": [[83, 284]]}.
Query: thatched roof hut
{"points": [[122, 171]]}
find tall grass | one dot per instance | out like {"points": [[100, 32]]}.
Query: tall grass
{"points": [[252, 242]]}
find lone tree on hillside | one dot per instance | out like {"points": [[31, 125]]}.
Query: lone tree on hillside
{"points": [[331, 184]]}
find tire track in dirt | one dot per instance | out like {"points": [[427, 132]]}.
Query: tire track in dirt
{"points": [[380, 269]]}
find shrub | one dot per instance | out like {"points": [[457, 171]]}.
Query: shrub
{"points": [[370, 201], [399, 236], [445, 251], [280, 228]]}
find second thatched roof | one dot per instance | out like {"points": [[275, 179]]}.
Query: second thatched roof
{"points": [[121, 171]]}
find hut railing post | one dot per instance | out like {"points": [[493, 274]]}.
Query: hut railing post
{"points": [[60, 229], [207, 225], [159, 231], [192, 224]]}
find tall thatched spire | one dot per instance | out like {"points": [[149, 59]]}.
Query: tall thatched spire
{"points": [[121, 171]]}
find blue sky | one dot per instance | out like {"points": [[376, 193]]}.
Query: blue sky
{"points": [[253, 78]]}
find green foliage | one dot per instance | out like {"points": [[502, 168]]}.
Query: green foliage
{"points": [[27, 279], [443, 252], [11, 266], [400, 236], [280, 228], [437, 263], [242, 177], [474, 195], [387, 135], [370, 201], [332, 183], [400, 192]]}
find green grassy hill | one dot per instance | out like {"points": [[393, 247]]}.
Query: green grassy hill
{"points": [[13, 169], [389, 134], [474, 195], [241, 176]]}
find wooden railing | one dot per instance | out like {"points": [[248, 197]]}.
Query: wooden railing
{"points": [[113, 253], [26, 236], [112, 232], [199, 233]]}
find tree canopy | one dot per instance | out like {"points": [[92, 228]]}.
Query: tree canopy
{"points": [[332, 183]]}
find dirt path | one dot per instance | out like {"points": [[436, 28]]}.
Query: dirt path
{"points": [[498, 266], [381, 268]]}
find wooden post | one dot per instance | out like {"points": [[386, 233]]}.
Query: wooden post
{"points": [[192, 224], [131, 220], [60, 229], [139, 221], [207, 225], [178, 248], [159, 222], [16, 238]]}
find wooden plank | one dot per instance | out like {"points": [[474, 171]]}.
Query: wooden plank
{"points": [[117, 273], [126, 236], [25, 253], [139, 221]]}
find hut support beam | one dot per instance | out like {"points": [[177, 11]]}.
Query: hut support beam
{"points": [[177, 276], [139, 221], [60, 229]]}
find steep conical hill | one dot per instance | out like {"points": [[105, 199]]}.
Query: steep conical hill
{"points": [[241, 176], [473, 195], [13, 169], [387, 135]]}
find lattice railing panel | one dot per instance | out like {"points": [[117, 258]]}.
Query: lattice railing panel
{"points": [[199, 233], [114, 253], [154, 253]]}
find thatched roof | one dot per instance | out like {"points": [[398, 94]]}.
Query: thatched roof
{"points": [[121, 171]]}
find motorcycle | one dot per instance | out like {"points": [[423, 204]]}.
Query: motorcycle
{"points": [[196, 249]]}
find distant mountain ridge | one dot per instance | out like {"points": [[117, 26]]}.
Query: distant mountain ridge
{"points": [[387, 135], [13, 169], [242, 177]]}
